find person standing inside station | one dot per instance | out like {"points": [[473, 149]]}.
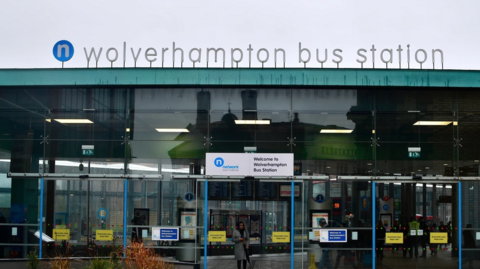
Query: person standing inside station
{"points": [[424, 237], [413, 227], [241, 238], [380, 241], [325, 260], [469, 242]]}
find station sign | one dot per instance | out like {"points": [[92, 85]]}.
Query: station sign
{"points": [[281, 237], [333, 235], [217, 236], [249, 164], [394, 238], [438, 238], [164, 234]]}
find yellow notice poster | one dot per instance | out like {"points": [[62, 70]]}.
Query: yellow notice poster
{"points": [[281, 237], [438, 238], [104, 235], [217, 236], [61, 234], [394, 238]]}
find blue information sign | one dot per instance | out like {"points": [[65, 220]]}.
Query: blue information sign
{"points": [[165, 234], [334, 235], [385, 207], [189, 197]]}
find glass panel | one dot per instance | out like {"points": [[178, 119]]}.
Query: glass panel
{"points": [[263, 209]]}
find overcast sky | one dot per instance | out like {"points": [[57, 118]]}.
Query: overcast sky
{"points": [[30, 29]]}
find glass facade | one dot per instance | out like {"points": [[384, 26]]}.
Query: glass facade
{"points": [[98, 149]]}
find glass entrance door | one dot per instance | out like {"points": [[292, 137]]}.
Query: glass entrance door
{"points": [[417, 224], [252, 217]]}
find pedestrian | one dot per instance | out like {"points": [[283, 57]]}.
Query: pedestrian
{"points": [[424, 237], [325, 260], [380, 241], [340, 253], [469, 243], [413, 227], [135, 238], [241, 239]]}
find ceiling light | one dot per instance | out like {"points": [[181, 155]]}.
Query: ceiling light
{"points": [[258, 122], [335, 131], [74, 121], [445, 164], [476, 161], [369, 164], [373, 131], [455, 123], [172, 130], [432, 123], [48, 120], [128, 130], [414, 111], [328, 166]]}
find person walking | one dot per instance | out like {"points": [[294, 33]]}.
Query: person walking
{"points": [[469, 242], [380, 241], [241, 238], [413, 227], [325, 260]]}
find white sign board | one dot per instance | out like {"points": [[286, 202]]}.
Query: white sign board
{"points": [[249, 164]]}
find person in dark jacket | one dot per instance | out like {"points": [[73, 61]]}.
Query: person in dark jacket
{"points": [[469, 242], [380, 240], [424, 238]]}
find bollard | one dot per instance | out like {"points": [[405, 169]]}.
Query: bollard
{"points": [[312, 262]]}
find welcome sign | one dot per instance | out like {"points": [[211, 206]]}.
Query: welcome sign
{"points": [[249, 164]]}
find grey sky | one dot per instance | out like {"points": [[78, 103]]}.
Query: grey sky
{"points": [[29, 29]]}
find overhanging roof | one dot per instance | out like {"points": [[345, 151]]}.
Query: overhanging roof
{"points": [[239, 77]]}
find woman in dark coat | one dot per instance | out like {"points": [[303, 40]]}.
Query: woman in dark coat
{"points": [[241, 239]]}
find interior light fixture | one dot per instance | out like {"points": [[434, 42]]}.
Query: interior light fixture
{"points": [[253, 122], [445, 164], [476, 161], [172, 130], [432, 123], [335, 131], [373, 131], [48, 120], [455, 123], [74, 121], [128, 130]]}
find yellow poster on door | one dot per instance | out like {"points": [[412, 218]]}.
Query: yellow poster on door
{"points": [[394, 238], [217, 236], [438, 238], [104, 235], [281, 237], [61, 234]]}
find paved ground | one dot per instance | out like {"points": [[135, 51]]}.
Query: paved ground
{"points": [[391, 261]]}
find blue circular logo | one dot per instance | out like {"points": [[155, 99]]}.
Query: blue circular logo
{"points": [[385, 207], [218, 162], [63, 50], [189, 197], [320, 198], [102, 213]]}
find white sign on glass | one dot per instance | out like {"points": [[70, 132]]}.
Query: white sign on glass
{"points": [[249, 164]]}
